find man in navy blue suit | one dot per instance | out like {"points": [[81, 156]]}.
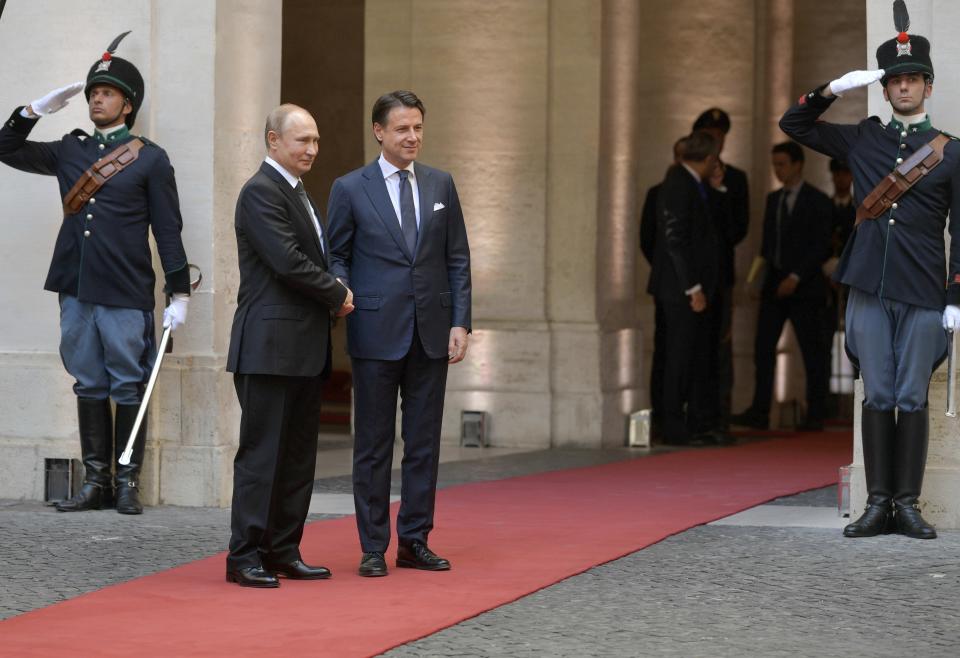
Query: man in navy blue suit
{"points": [[398, 241]]}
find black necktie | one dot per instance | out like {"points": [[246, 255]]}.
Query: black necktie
{"points": [[408, 212], [302, 193], [783, 213]]}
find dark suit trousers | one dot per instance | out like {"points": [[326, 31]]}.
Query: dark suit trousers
{"points": [[725, 354], [422, 382], [656, 365], [690, 394], [274, 469], [806, 315]]}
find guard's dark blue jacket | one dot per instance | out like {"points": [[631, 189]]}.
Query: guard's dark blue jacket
{"points": [[899, 256], [102, 254]]}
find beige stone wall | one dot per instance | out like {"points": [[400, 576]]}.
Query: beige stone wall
{"points": [[511, 95], [212, 73]]}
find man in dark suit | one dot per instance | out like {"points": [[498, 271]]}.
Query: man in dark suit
{"points": [[684, 281], [796, 242], [279, 354], [732, 228], [397, 237], [648, 240]]}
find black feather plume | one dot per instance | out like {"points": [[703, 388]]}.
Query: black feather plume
{"points": [[901, 19], [112, 48]]}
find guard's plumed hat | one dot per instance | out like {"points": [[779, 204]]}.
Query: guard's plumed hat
{"points": [[120, 73], [905, 53]]}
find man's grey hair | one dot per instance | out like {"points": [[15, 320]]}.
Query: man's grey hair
{"points": [[277, 120]]}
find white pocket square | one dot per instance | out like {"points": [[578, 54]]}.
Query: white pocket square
{"points": [[438, 206]]}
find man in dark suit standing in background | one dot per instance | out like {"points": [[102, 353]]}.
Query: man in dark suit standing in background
{"points": [[732, 227], [398, 238], [684, 281], [279, 354], [648, 241], [796, 242]]}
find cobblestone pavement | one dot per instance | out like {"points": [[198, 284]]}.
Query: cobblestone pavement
{"points": [[50, 556], [735, 591], [710, 591]]}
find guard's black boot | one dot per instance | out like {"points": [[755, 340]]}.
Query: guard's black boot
{"points": [[128, 492], [913, 430], [96, 440], [877, 429]]}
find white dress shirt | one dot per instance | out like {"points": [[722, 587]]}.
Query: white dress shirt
{"points": [[293, 180], [392, 179]]}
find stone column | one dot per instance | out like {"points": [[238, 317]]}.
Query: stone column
{"points": [[572, 252], [617, 216], [940, 502], [234, 50], [212, 73], [510, 90]]}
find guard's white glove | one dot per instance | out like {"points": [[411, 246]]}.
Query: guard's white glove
{"points": [[951, 318], [56, 100], [854, 79], [175, 315]]}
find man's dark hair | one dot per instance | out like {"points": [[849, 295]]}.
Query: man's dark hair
{"points": [[792, 149], [838, 165], [698, 146], [713, 118], [381, 109]]}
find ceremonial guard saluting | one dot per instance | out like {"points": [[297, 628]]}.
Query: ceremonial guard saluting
{"points": [[906, 179], [115, 189]]}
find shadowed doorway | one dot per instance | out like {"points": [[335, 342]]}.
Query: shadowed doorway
{"points": [[322, 70]]}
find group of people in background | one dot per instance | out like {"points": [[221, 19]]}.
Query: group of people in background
{"points": [[689, 229]]}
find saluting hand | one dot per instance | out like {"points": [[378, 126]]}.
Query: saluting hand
{"points": [[55, 101], [852, 80]]}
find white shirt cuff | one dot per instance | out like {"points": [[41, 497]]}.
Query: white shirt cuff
{"points": [[696, 288]]}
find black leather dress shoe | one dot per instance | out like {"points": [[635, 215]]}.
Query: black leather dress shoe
{"points": [[712, 438], [297, 570], [810, 425], [416, 555], [372, 565], [751, 419], [252, 577]]}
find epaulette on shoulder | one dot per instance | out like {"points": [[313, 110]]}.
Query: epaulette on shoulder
{"points": [[875, 118], [80, 134], [147, 142], [953, 137]]}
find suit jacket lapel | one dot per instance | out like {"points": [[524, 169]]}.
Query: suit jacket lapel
{"points": [[376, 189], [427, 194], [302, 211]]}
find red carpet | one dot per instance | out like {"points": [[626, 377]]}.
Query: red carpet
{"points": [[505, 539]]}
